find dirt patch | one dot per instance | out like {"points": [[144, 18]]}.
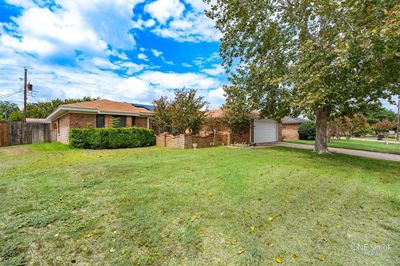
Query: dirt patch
{"points": [[14, 151]]}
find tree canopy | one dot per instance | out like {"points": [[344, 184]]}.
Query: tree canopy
{"points": [[327, 58], [36, 110], [185, 112], [6, 108]]}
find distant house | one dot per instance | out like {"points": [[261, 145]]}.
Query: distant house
{"points": [[290, 127], [262, 130], [96, 114]]}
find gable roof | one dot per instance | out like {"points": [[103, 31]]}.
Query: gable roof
{"points": [[101, 107]]}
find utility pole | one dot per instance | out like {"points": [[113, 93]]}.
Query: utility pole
{"points": [[398, 117], [25, 91]]}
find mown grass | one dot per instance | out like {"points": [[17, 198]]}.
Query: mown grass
{"points": [[153, 206], [355, 144]]}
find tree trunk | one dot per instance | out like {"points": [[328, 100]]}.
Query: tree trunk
{"points": [[321, 145]]}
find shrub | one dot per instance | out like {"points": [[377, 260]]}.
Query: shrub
{"points": [[111, 138], [307, 131]]}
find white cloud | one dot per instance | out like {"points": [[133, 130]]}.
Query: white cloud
{"points": [[156, 53], [215, 71], [162, 10], [103, 63], [186, 65], [21, 3], [197, 4], [179, 80], [216, 98], [87, 26], [131, 67], [142, 56], [178, 23]]}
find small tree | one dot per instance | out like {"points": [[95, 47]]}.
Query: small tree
{"points": [[307, 130], [184, 112], [384, 126], [360, 125], [237, 109]]}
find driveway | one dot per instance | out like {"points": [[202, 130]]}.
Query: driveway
{"points": [[367, 154]]}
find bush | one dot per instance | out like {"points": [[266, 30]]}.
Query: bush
{"points": [[111, 138], [307, 131]]}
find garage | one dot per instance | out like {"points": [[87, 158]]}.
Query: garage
{"points": [[265, 130]]}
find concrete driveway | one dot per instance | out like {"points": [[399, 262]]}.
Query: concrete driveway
{"points": [[367, 154]]}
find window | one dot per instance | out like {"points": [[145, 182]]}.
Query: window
{"points": [[100, 121], [58, 126], [133, 121], [118, 121]]}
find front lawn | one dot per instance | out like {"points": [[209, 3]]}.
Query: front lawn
{"points": [[355, 144], [200, 207]]}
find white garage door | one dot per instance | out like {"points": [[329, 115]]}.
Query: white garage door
{"points": [[265, 130]]}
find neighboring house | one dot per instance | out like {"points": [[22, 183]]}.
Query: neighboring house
{"points": [[96, 114], [261, 131], [290, 127]]}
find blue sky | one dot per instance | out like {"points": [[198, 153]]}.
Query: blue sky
{"points": [[126, 50], [129, 50]]}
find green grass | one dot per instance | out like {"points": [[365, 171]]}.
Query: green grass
{"points": [[153, 206], [356, 145]]}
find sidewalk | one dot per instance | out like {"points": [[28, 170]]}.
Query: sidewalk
{"points": [[367, 154]]}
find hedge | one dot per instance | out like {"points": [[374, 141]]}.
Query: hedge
{"points": [[111, 138], [307, 131]]}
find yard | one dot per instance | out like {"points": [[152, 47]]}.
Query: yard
{"points": [[206, 206], [355, 144]]}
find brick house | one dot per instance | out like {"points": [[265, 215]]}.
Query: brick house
{"points": [[290, 127], [96, 114]]}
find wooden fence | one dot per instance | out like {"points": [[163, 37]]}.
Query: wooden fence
{"points": [[16, 133]]}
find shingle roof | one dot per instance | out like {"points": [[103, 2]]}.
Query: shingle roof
{"points": [[218, 113], [293, 120], [37, 120], [105, 106]]}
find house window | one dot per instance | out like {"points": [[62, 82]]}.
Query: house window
{"points": [[133, 121], [118, 121], [100, 121]]}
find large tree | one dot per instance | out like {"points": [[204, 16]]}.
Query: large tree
{"points": [[327, 58], [6, 108], [45, 108]]}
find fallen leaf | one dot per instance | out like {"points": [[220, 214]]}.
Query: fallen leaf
{"points": [[279, 260], [252, 229], [270, 218], [240, 251], [200, 230], [322, 257], [210, 194]]}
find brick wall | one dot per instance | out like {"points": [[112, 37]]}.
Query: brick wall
{"points": [[185, 141], [82, 120], [290, 131], [128, 121], [61, 127], [140, 121], [170, 141]]}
